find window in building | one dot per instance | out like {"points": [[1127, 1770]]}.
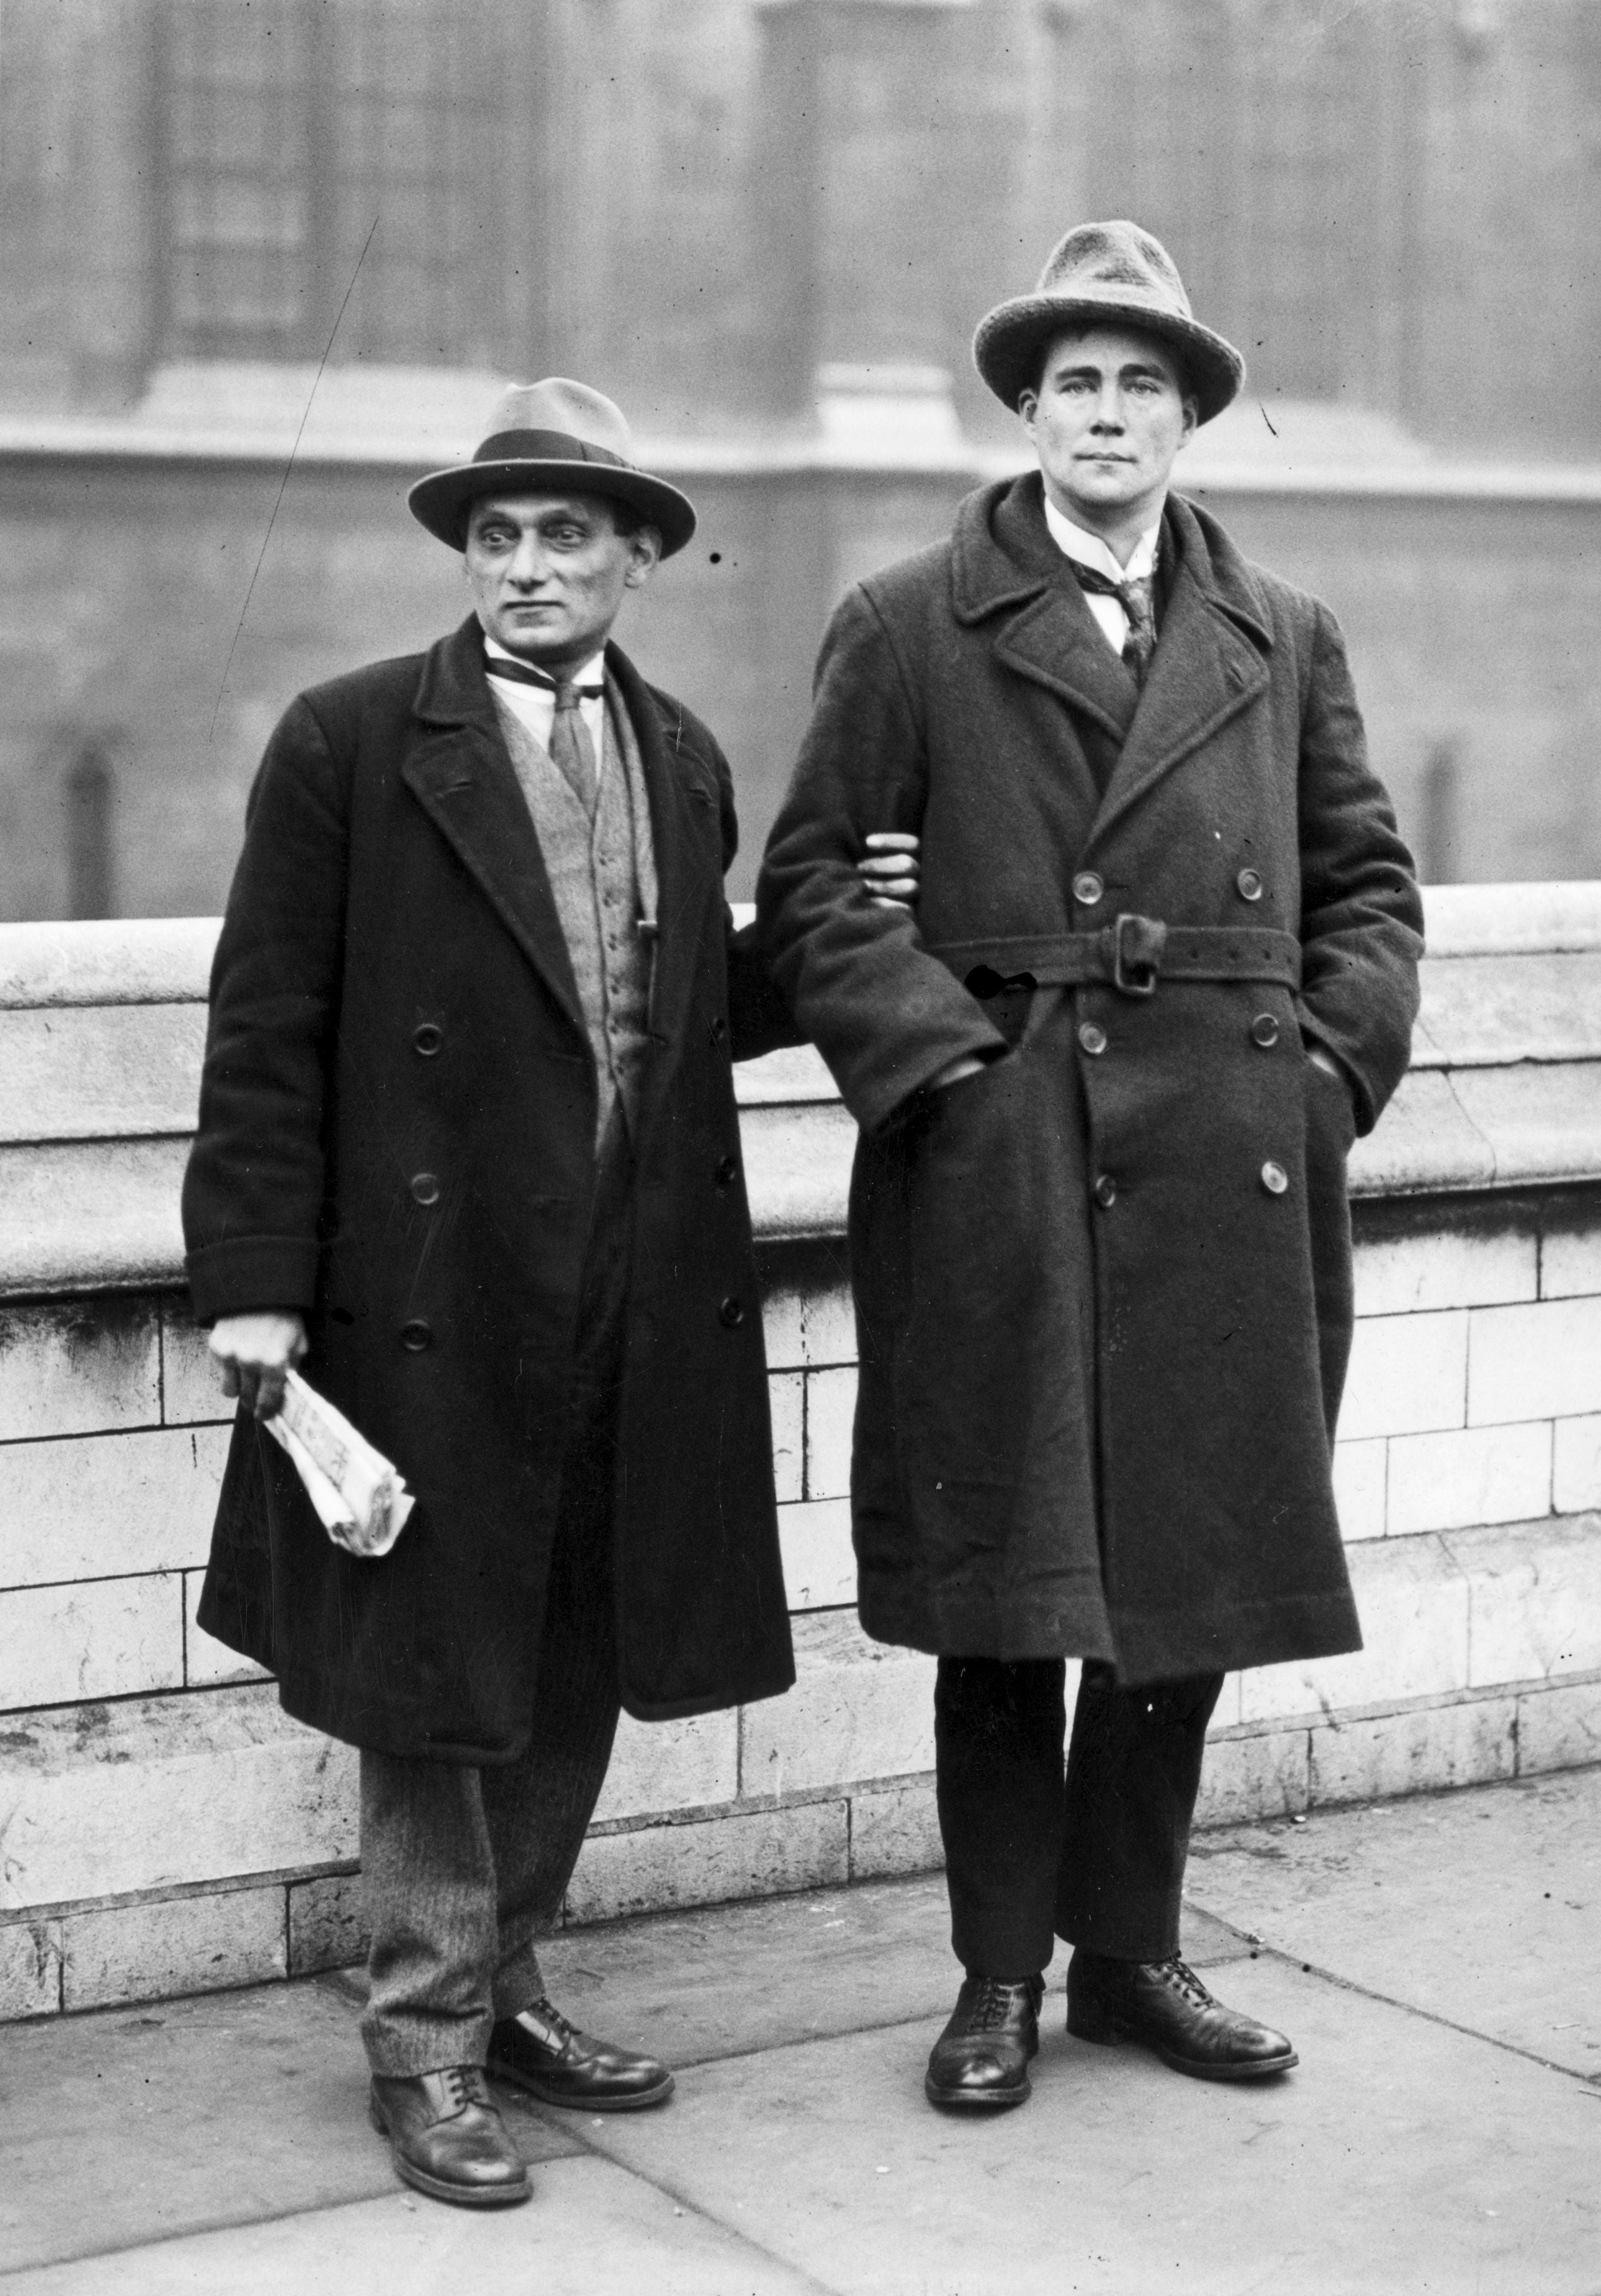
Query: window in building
{"points": [[287, 128]]}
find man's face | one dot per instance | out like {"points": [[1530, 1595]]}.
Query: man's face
{"points": [[548, 573], [1110, 414]]}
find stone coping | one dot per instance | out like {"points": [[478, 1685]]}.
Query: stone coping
{"points": [[1504, 1090]]}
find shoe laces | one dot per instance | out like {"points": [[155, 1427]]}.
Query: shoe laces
{"points": [[1178, 1974], [991, 2006], [464, 2084], [547, 2012]]}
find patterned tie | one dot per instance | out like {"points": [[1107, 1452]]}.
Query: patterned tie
{"points": [[1135, 599], [572, 753]]}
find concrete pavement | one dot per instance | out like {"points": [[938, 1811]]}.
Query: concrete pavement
{"points": [[1437, 1961]]}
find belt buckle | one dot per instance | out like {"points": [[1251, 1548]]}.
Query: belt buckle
{"points": [[1137, 946]]}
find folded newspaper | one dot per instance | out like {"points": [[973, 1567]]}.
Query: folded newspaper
{"points": [[361, 1499]]}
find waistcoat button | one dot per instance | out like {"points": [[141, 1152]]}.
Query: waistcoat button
{"points": [[1264, 1030], [1275, 1179], [428, 1039], [416, 1335], [1249, 882], [1106, 1192], [1088, 889], [425, 1187], [732, 1313], [1093, 1040]]}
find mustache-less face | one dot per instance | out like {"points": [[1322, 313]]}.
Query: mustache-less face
{"points": [[549, 573], [1112, 410]]}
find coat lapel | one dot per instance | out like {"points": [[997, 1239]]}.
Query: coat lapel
{"points": [[1005, 564], [681, 845], [1210, 663], [462, 776]]}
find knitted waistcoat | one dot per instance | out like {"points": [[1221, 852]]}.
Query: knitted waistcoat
{"points": [[603, 879]]}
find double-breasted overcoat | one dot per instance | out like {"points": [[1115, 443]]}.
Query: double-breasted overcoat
{"points": [[1103, 1285], [396, 1136]]}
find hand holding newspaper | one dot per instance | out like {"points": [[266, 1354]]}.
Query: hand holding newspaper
{"points": [[362, 1501]]}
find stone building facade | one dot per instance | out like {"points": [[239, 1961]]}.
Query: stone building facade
{"points": [[260, 264]]}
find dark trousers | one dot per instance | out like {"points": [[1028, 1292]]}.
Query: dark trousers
{"points": [[1098, 1858], [462, 1869]]}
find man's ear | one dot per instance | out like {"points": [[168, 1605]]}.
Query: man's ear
{"points": [[1192, 420], [1028, 407], [645, 550]]}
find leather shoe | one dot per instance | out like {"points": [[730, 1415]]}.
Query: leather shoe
{"points": [[981, 2059], [540, 2051], [1165, 2004], [447, 2137]]}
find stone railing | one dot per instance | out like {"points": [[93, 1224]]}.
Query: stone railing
{"points": [[164, 1828]]}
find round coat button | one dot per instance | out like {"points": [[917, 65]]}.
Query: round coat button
{"points": [[416, 1335], [718, 1029], [732, 1313], [726, 1172], [428, 1039], [1275, 1179], [1106, 1192], [1093, 1039], [1264, 1030], [425, 1187], [1249, 882], [1088, 887]]}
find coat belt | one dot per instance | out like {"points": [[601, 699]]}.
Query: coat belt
{"points": [[1131, 954]]}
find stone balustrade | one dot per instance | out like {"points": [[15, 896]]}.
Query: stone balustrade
{"points": [[164, 1828]]}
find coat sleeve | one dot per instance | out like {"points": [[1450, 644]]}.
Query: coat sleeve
{"points": [[1361, 915], [886, 1015], [253, 1189]]}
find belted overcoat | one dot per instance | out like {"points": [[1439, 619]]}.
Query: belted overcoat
{"points": [[397, 1137], [1103, 1285]]}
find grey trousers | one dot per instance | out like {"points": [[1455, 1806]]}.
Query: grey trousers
{"points": [[463, 1868]]}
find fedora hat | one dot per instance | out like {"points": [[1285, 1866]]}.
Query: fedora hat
{"points": [[1107, 275], [553, 437]]}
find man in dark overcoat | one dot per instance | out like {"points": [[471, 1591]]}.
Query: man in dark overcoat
{"points": [[468, 1147], [1163, 969]]}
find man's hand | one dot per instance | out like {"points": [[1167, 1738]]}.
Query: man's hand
{"points": [[889, 869], [254, 1352]]}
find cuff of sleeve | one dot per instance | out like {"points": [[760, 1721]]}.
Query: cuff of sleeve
{"points": [[252, 1274]]}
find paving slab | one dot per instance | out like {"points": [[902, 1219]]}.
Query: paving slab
{"points": [[1481, 1906], [592, 2228], [1404, 2159]]}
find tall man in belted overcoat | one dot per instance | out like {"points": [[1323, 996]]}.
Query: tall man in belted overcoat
{"points": [[1163, 969], [468, 1145]]}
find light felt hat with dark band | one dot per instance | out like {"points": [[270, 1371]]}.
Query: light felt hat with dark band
{"points": [[1104, 274], [553, 438]]}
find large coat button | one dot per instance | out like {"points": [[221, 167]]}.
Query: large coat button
{"points": [[416, 1335], [1088, 889], [1093, 1039], [1106, 1192], [425, 1187], [718, 1029], [428, 1038], [1275, 1179], [1264, 1030], [1249, 882], [726, 1172], [732, 1313]]}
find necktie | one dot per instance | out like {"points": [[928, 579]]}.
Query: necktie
{"points": [[1135, 599], [572, 753]]}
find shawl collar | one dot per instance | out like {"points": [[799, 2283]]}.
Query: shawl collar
{"points": [[460, 772]]}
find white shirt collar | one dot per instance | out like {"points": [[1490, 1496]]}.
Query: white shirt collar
{"points": [[1077, 542], [592, 673]]}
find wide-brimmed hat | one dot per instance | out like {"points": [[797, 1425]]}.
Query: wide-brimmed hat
{"points": [[1106, 275], [553, 437]]}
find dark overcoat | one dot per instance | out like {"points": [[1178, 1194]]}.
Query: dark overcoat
{"points": [[1104, 1286], [397, 1137]]}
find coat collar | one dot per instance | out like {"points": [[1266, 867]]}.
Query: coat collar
{"points": [[1211, 662], [460, 772]]}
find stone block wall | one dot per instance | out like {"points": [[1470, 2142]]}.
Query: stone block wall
{"points": [[163, 1827]]}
